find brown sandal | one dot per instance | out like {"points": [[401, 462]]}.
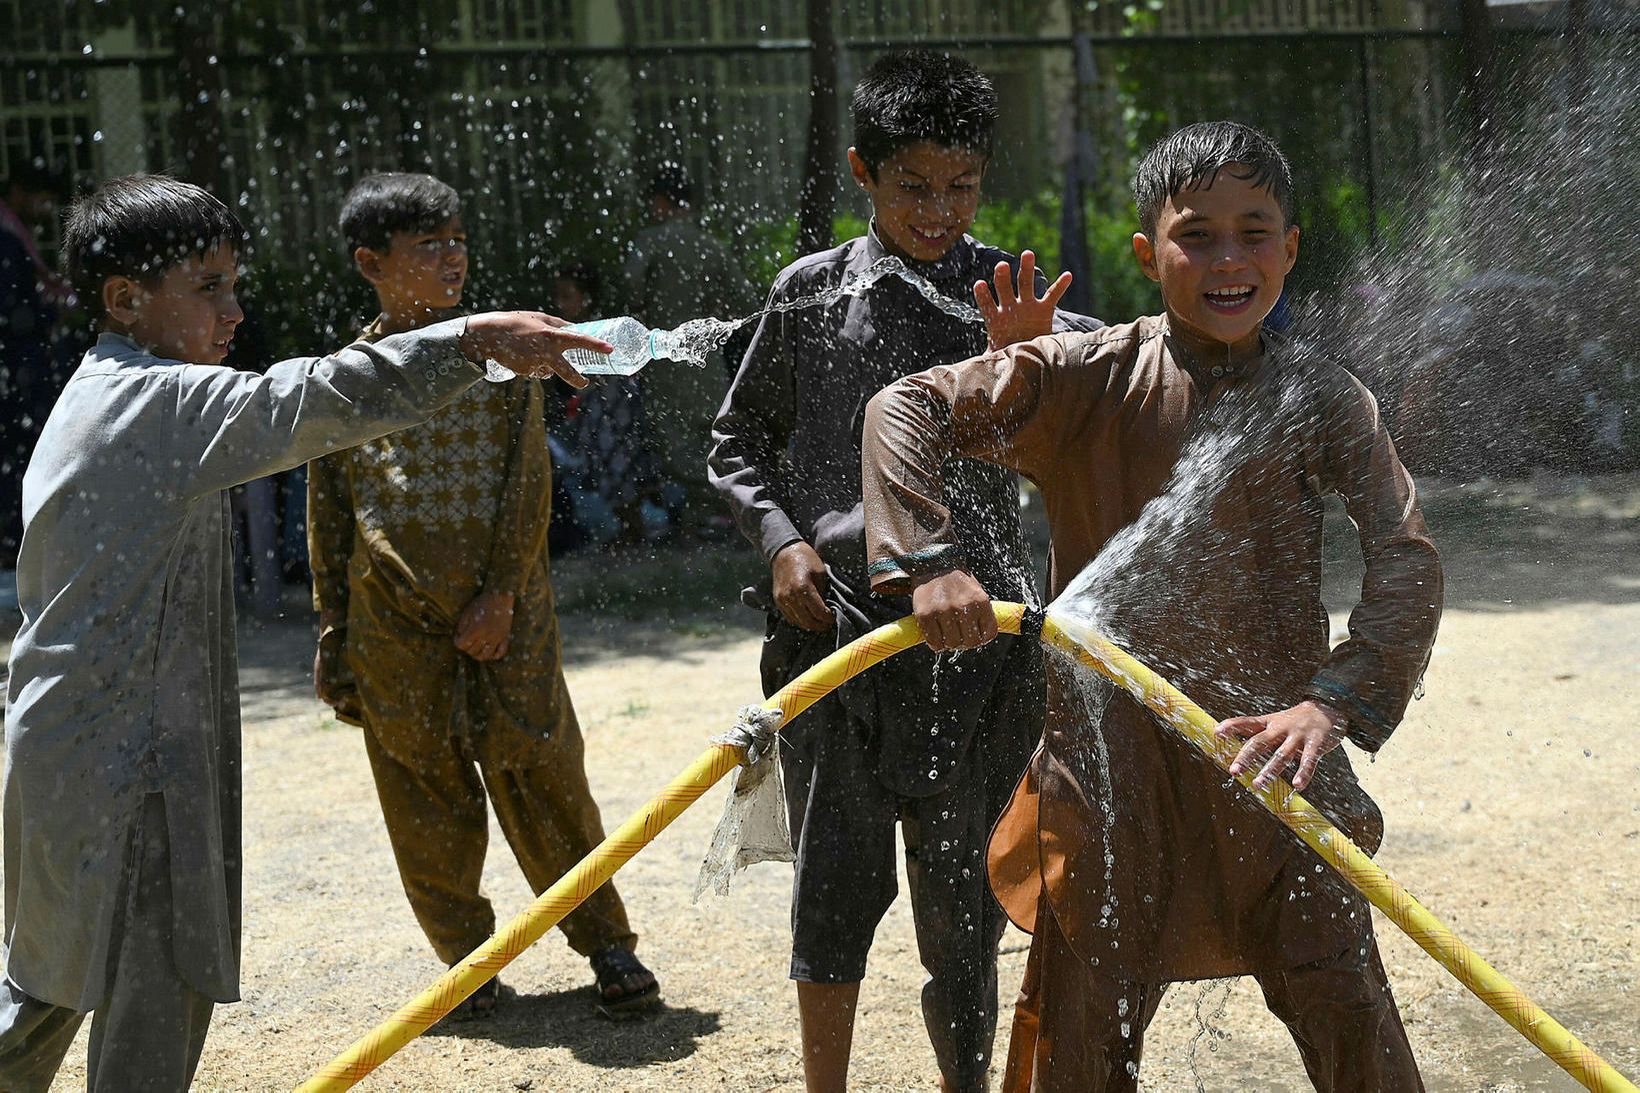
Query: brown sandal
{"points": [[481, 1004], [613, 966]]}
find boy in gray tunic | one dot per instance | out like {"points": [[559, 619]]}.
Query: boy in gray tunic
{"points": [[121, 793]]}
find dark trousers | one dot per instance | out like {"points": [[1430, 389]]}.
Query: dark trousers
{"points": [[842, 819], [1079, 1032]]}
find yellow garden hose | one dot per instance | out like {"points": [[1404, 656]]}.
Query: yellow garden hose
{"points": [[1089, 648]]}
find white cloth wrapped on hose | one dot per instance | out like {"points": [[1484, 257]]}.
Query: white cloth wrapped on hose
{"points": [[753, 827]]}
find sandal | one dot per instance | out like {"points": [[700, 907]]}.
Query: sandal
{"points": [[481, 1004], [614, 967]]}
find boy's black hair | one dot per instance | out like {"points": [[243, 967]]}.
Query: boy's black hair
{"points": [[672, 181], [139, 226], [583, 274], [379, 205], [1194, 156], [913, 95]]}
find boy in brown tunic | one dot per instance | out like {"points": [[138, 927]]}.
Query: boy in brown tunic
{"points": [[1185, 882], [454, 668]]}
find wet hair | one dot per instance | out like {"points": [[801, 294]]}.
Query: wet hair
{"points": [[379, 205], [914, 95], [1193, 157], [140, 226], [672, 182]]}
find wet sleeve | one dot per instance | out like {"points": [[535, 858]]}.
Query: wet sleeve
{"points": [[330, 531], [229, 427], [751, 433], [994, 407], [525, 505], [1372, 675]]}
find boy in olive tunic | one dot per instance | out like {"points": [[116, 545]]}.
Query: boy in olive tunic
{"points": [[122, 834], [438, 629]]}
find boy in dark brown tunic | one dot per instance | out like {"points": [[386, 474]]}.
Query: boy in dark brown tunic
{"points": [[1186, 882], [438, 630], [891, 748]]}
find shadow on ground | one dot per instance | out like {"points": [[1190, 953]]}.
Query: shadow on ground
{"points": [[1514, 545], [1505, 545], [567, 1019], [630, 602]]}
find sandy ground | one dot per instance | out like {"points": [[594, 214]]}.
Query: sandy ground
{"points": [[1510, 791]]}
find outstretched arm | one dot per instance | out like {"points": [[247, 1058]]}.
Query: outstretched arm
{"points": [[231, 427]]}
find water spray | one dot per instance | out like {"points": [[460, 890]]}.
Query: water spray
{"points": [[1088, 648], [693, 342]]}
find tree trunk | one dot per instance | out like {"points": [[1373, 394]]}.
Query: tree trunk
{"points": [[198, 131], [1577, 58], [819, 192], [1479, 74]]}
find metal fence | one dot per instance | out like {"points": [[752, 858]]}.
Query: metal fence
{"points": [[550, 115]]}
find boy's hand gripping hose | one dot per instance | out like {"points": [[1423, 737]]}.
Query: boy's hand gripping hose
{"points": [[1090, 649]]}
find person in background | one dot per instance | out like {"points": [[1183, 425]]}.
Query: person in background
{"points": [[676, 271], [33, 297], [600, 443]]}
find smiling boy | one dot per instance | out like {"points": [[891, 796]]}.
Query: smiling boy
{"points": [[122, 826], [438, 632], [1158, 873], [890, 747]]}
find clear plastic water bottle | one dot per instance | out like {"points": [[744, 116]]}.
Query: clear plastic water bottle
{"points": [[635, 346]]}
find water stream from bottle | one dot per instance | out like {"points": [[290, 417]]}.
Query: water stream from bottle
{"points": [[696, 340]]}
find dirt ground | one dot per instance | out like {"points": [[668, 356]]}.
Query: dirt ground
{"points": [[1510, 792]]}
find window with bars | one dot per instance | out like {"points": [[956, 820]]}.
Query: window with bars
{"points": [[523, 21], [1107, 17]]}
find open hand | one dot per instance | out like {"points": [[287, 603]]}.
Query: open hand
{"points": [[1301, 734], [954, 611], [529, 343], [484, 630], [1018, 315], [800, 583]]}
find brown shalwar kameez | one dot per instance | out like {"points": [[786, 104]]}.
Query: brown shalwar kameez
{"points": [[404, 532], [1199, 883]]}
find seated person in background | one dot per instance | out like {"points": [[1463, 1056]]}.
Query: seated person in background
{"points": [[600, 446]]}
